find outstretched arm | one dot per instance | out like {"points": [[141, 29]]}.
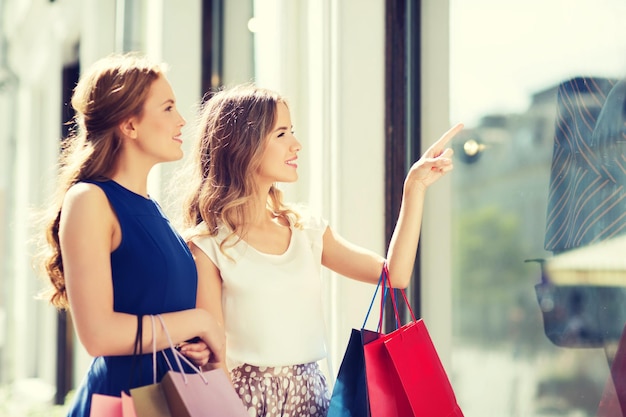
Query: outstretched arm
{"points": [[434, 164], [361, 264]]}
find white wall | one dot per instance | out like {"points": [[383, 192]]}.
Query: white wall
{"points": [[356, 150], [37, 50], [42, 38], [436, 239]]}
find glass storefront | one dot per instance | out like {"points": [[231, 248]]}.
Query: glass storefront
{"points": [[539, 178]]}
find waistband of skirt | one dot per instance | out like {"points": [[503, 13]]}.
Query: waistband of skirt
{"points": [[254, 371]]}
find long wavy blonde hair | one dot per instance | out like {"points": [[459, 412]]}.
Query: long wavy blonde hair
{"points": [[112, 90], [233, 128]]}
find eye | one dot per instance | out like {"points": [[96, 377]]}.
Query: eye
{"points": [[169, 108]]}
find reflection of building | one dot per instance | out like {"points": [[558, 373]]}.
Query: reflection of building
{"points": [[513, 166], [500, 220], [509, 183]]}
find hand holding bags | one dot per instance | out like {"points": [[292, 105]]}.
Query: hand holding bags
{"points": [[197, 394], [200, 394], [402, 372]]}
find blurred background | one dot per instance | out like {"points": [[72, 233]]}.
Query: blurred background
{"points": [[371, 84]]}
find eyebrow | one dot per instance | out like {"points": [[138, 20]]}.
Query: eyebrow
{"points": [[168, 101], [282, 128]]}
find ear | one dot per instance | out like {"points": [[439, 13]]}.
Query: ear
{"points": [[127, 128]]}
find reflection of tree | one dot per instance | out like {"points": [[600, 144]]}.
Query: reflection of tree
{"points": [[497, 305]]}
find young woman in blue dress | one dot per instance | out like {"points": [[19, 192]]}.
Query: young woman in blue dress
{"points": [[113, 257]]}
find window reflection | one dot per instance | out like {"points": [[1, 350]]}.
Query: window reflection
{"points": [[541, 178]]}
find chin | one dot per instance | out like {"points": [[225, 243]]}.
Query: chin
{"points": [[176, 157]]}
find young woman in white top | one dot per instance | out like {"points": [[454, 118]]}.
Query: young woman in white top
{"points": [[261, 259]]}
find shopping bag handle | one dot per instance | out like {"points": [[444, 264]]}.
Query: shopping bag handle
{"points": [[369, 310], [387, 285], [386, 282], [177, 355], [406, 300], [381, 282]]}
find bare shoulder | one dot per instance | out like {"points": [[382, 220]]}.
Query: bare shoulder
{"points": [[86, 200], [85, 193]]}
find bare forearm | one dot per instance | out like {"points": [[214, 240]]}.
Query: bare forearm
{"points": [[405, 239], [115, 335]]}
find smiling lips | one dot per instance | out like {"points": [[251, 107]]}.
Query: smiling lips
{"points": [[292, 162]]}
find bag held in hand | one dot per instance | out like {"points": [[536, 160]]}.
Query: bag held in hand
{"points": [[199, 394], [405, 376]]}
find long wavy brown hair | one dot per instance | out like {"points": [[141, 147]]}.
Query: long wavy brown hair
{"points": [[233, 128], [110, 91]]}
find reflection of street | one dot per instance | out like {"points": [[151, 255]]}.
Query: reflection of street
{"points": [[563, 383]]}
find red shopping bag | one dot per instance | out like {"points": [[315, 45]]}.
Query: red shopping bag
{"points": [[420, 372], [384, 388], [404, 374]]}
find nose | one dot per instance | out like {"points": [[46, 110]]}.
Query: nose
{"points": [[296, 146], [182, 121]]}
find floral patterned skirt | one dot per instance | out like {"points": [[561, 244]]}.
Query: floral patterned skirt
{"points": [[285, 391]]}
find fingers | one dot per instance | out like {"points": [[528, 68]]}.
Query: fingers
{"points": [[447, 153], [445, 169], [217, 352], [441, 166], [198, 353], [193, 347], [443, 160], [438, 147]]}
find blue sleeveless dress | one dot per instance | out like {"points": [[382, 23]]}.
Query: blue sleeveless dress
{"points": [[153, 272]]}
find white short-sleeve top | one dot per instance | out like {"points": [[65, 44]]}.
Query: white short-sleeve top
{"points": [[272, 304]]}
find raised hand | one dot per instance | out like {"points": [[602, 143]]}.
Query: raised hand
{"points": [[435, 162]]}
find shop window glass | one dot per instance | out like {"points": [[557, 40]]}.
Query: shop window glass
{"points": [[539, 207]]}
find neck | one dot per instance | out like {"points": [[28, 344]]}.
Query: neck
{"points": [[132, 173], [257, 212], [136, 185]]}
